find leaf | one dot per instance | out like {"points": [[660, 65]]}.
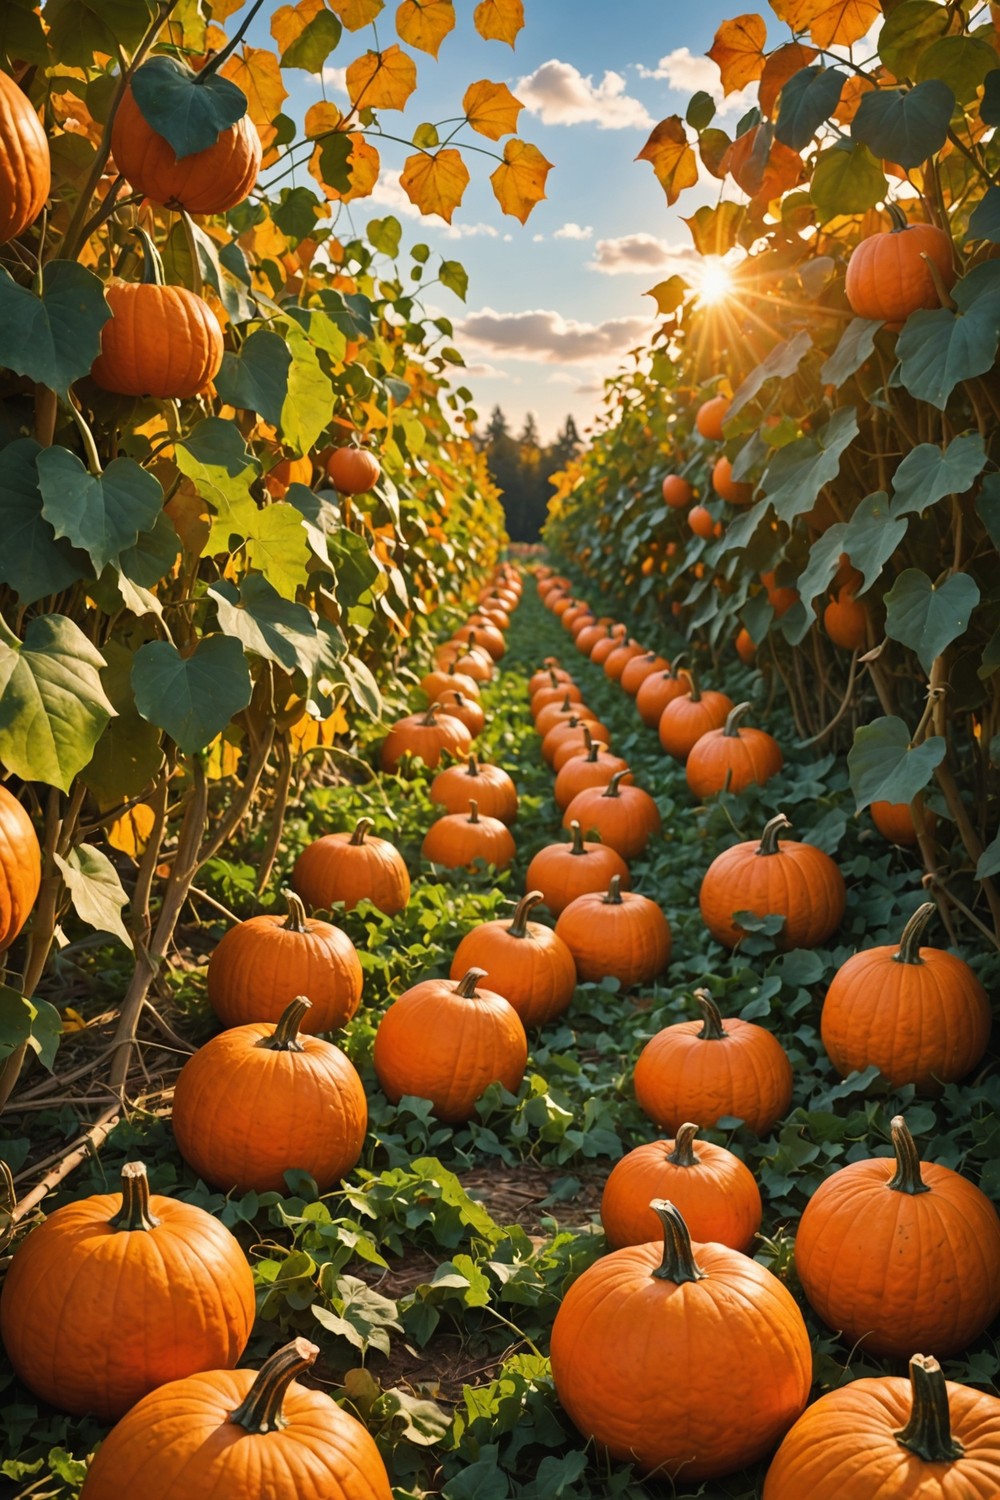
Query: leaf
{"points": [[870, 537], [928, 473], [795, 476], [32, 562], [782, 64], [385, 234], [712, 148], [306, 33], [382, 80], [989, 108], [491, 109], [670, 155], [52, 704], [192, 698], [362, 685], [909, 29], [95, 890], [455, 277], [127, 756], [856, 344], [519, 182], [905, 125], [214, 455], [961, 62], [738, 51], [984, 221], [783, 360], [101, 514], [32, 1022], [357, 13], [939, 349], [831, 23], [189, 112], [807, 101], [762, 166], [356, 166], [668, 294], [305, 411], [989, 861], [884, 767], [256, 379], [846, 180], [988, 506], [499, 20], [230, 288], [715, 230], [267, 625], [701, 111], [928, 617], [435, 184], [54, 338], [424, 24], [257, 72], [413, 1420], [273, 537]]}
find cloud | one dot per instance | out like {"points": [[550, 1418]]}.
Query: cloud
{"points": [[573, 231], [635, 253], [559, 94], [562, 377], [690, 74], [335, 78], [484, 371], [546, 335]]}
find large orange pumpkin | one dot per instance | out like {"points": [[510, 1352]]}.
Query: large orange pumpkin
{"points": [[793, 880], [618, 935], [659, 689], [20, 866], [25, 168], [456, 840], [595, 768], [442, 680], [689, 715], [626, 817], [525, 961], [732, 758], [888, 277], [425, 737], [345, 868], [494, 792], [564, 871]]}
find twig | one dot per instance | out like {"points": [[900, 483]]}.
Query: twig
{"points": [[93, 1138]]}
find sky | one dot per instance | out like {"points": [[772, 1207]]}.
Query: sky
{"points": [[553, 305]]}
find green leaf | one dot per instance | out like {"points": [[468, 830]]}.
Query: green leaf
{"points": [[55, 338], [806, 102], [700, 111], [869, 538], [52, 704], [482, 1480], [335, 160], [79, 28], [905, 125], [455, 277], [362, 685], [795, 476], [95, 890], [846, 180], [34, 1022], [32, 562], [783, 360], [297, 212], [984, 221], [267, 625], [100, 514], [961, 62], [909, 29], [362, 1316], [128, 754], [856, 344], [928, 473], [22, 36], [305, 411], [153, 555], [938, 349], [385, 235], [412, 1419], [230, 288], [988, 506], [884, 767], [927, 618], [274, 538], [193, 698], [256, 379], [189, 114], [989, 108], [314, 44], [989, 860]]}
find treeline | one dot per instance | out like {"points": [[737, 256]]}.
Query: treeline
{"points": [[520, 468]]}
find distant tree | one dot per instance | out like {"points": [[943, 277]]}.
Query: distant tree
{"points": [[520, 468]]}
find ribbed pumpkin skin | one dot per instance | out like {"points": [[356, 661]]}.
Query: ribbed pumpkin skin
{"points": [[626, 822], [563, 875], [554, 694], [686, 719], [629, 939], [698, 1379], [491, 787], [261, 965], [718, 1197], [565, 737], [20, 867], [354, 471], [800, 881], [426, 742], [581, 772], [472, 663], [162, 341], [484, 635], [561, 712], [680, 1076], [437, 682], [655, 692], [455, 841], [543, 677], [206, 182], [750, 755], [25, 169], [469, 710], [894, 821], [178, 1442], [639, 668], [243, 1114], [843, 1447], [617, 660], [332, 870], [535, 973], [449, 1048], [886, 277], [92, 1317]]}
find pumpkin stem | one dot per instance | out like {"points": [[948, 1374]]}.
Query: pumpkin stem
{"points": [[466, 986], [260, 1409], [683, 1153], [678, 1263], [577, 845], [713, 1029], [681, 656], [526, 905], [285, 1036], [612, 787], [731, 727], [567, 702], [362, 828], [906, 1178], [769, 838], [134, 1212], [943, 295], [552, 677], [472, 769], [694, 691], [899, 219], [296, 920], [614, 895], [473, 810], [588, 740], [429, 719], [928, 1432], [152, 265], [909, 943]]}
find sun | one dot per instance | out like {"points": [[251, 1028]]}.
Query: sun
{"points": [[715, 281]]}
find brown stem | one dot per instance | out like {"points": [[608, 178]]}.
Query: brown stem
{"points": [[713, 1029], [473, 810], [134, 1212], [907, 1178], [694, 691], [428, 719], [260, 1409], [285, 1036], [361, 829], [614, 895], [519, 925], [909, 943], [683, 1153], [928, 1431], [577, 845], [678, 1263], [296, 921], [611, 790], [472, 769], [769, 838], [466, 986], [276, 814], [731, 727]]}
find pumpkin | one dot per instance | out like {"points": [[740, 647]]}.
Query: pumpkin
{"points": [[712, 1188], [901, 1255], [846, 622], [796, 881], [888, 277], [689, 715], [559, 694], [602, 649], [746, 646], [779, 596], [205, 182], [492, 789], [112, 1295], [446, 1041], [262, 964], [568, 735], [919, 1015], [595, 768], [704, 1070], [894, 821], [457, 840], [285, 472], [639, 668], [345, 868], [617, 934], [161, 341], [479, 632], [564, 871], [659, 689], [732, 758], [676, 491], [625, 816], [493, 611], [25, 168], [701, 523], [587, 638], [426, 737], [562, 604], [442, 680], [20, 859], [353, 471], [232, 1434], [526, 962], [562, 712], [547, 676], [259, 1099], [710, 417], [925, 1437], [728, 488], [469, 710], [689, 1360], [472, 662], [617, 660]]}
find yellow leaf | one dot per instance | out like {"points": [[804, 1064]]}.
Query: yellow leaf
{"points": [[424, 24], [72, 1020], [308, 733], [519, 183], [258, 73], [130, 833], [669, 294], [321, 119], [491, 108], [671, 157], [499, 20], [363, 165], [290, 21], [221, 10], [222, 759], [714, 230], [830, 23], [382, 80], [738, 51], [435, 184], [356, 13]]}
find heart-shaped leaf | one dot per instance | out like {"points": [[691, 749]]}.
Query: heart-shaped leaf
{"points": [[188, 113], [928, 617], [53, 338], [191, 697], [883, 765], [53, 706], [100, 513]]}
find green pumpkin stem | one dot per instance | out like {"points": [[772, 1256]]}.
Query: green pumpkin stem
{"points": [[899, 219], [260, 1409], [683, 1153], [364, 826], [429, 719], [134, 1212], [611, 790], [593, 748], [671, 671], [909, 943], [731, 728], [152, 265], [694, 690], [614, 894], [769, 838], [928, 1432], [473, 810], [713, 1029], [577, 845], [296, 921], [285, 1036], [906, 1178], [466, 986], [519, 922], [678, 1263]]}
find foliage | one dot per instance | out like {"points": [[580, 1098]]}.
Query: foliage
{"points": [[521, 469]]}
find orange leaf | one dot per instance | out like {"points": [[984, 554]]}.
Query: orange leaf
{"points": [[221, 10], [382, 80], [780, 66], [356, 13], [424, 24], [830, 23], [130, 833], [321, 119], [850, 97], [779, 171], [435, 184], [257, 72], [499, 20], [738, 51], [519, 183], [290, 21], [491, 108], [671, 157], [363, 165]]}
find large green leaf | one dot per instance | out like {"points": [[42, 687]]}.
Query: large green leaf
{"points": [[795, 476], [79, 28], [273, 538], [266, 624], [32, 562], [22, 35], [988, 506], [905, 125], [215, 455], [191, 697], [101, 514], [256, 379], [128, 754], [53, 706], [53, 338], [856, 344], [153, 555], [783, 360], [961, 62], [313, 45], [34, 1022], [928, 617], [95, 890], [984, 221], [939, 349], [909, 29], [989, 108], [807, 101], [846, 180], [310, 396], [189, 111], [928, 472], [883, 765], [869, 539]]}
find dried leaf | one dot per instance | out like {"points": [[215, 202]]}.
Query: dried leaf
{"points": [[738, 51], [781, 66], [519, 182], [762, 176], [714, 230], [356, 13], [830, 23], [671, 157], [130, 833], [258, 73], [850, 97], [321, 119], [382, 80], [424, 24], [499, 20], [491, 109], [435, 184], [363, 165]]}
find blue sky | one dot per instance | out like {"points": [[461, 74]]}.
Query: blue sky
{"points": [[553, 305]]}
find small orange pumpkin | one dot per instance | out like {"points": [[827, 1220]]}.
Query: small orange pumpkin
{"points": [[527, 963], [845, 621], [564, 871], [793, 880], [639, 668], [434, 684], [625, 816], [20, 865], [676, 491], [494, 792], [595, 768], [547, 675], [732, 490], [895, 822], [732, 758], [469, 710], [478, 631], [471, 661], [659, 689], [568, 735], [425, 737], [617, 660], [457, 840], [746, 647], [345, 868], [561, 712], [618, 935], [710, 416], [353, 471], [700, 521], [689, 715], [25, 166], [556, 693]]}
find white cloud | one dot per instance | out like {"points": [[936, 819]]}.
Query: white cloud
{"points": [[538, 239], [559, 94], [484, 371], [690, 74], [562, 377], [573, 231], [334, 78], [634, 253], [548, 336]]}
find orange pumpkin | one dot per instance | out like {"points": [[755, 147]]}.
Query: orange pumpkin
{"points": [[440, 681], [746, 648], [796, 881], [659, 689], [617, 660], [25, 168], [526, 962], [625, 816], [595, 768], [568, 735], [564, 871], [353, 471], [733, 490], [469, 710], [471, 662], [20, 862], [710, 416], [732, 758], [639, 668], [285, 472], [602, 649], [700, 521], [557, 694], [617, 935], [494, 792], [846, 622], [478, 631], [888, 277], [547, 675], [676, 491], [457, 840], [561, 712], [345, 868], [425, 737], [689, 715], [895, 822], [779, 596]]}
